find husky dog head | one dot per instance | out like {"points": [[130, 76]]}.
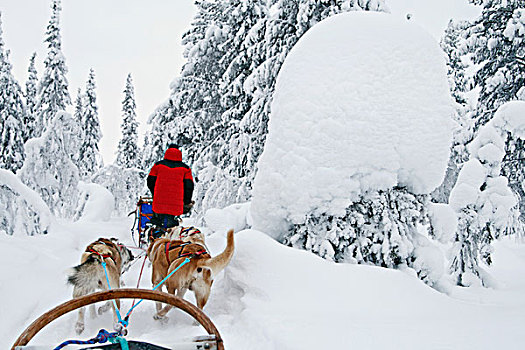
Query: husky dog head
{"points": [[125, 254]]}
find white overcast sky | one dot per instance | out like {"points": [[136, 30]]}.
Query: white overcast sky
{"points": [[117, 37]]}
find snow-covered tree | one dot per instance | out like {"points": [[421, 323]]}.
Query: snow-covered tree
{"points": [[224, 160], [89, 157], [377, 229], [53, 87], [129, 154], [12, 114], [49, 169], [495, 40], [22, 211], [495, 43], [31, 98], [334, 177], [487, 207], [195, 99], [126, 185], [78, 115], [79, 106], [513, 168]]}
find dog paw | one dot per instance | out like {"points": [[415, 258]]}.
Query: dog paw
{"points": [[103, 309], [79, 327], [162, 319]]}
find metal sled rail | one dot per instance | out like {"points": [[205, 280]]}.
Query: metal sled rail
{"points": [[212, 342]]}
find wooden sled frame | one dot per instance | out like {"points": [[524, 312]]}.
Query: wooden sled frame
{"points": [[124, 293]]}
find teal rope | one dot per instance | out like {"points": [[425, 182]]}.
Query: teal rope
{"points": [[123, 342], [187, 260], [120, 320]]}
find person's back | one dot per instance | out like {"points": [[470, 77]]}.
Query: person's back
{"points": [[171, 184]]}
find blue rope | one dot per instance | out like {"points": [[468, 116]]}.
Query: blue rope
{"points": [[120, 320], [187, 260], [102, 337]]}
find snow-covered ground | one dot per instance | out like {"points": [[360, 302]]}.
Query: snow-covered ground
{"points": [[273, 297]]}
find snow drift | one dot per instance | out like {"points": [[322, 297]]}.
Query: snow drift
{"points": [[272, 297], [336, 130]]}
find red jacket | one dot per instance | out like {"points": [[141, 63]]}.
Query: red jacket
{"points": [[171, 183]]}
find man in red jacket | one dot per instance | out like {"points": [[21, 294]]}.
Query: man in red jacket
{"points": [[171, 185]]}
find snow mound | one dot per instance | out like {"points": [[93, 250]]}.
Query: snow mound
{"points": [[347, 118], [233, 216], [97, 202]]}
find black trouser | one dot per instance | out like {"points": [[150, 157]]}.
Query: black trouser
{"points": [[164, 220]]}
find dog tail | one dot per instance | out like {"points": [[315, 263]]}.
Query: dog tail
{"points": [[218, 263], [82, 274]]}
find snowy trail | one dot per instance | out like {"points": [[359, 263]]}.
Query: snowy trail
{"points": [[274, 297]]}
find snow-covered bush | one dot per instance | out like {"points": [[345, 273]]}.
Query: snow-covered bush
{"points": [[95, 203], [22, 211], [353, 150], [486, 205], [125, 184], [49, 169], [376, 229]]}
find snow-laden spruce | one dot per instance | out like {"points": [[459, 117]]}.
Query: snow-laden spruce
{"points": [[89, 157], [128, 153], [486, 206], [49, 168], [361, 104], [12, 114], [53, 87], [125, 179], [31, 98], [493, 43]]}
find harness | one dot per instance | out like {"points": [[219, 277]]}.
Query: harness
{"points": [[105, 242], [156, 232], [103, 256], [183, 232], [181, 254]]}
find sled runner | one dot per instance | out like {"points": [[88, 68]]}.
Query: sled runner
{"points": [[212, 340]]}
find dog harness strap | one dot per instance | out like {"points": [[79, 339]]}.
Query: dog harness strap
{"points": [[104, 256], [170, 247], [193, 254], [185, 230]]}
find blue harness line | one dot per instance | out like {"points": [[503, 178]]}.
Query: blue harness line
{"points": [[120, 320], [187, 260]]}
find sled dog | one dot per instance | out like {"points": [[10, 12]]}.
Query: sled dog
{"points": [[90, 276], [197, 275]]}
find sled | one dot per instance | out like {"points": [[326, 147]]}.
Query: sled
{"points": [[212, 340], [143, 214]]}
